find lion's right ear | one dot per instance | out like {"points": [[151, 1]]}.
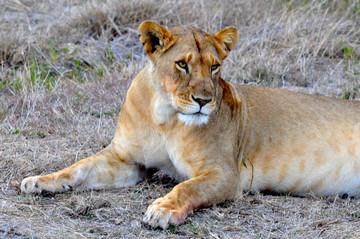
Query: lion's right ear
{"points": [[155, 38]]}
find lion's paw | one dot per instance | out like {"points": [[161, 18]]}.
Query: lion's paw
{"points": [[160, 215], [31, 185], [43, 186]]}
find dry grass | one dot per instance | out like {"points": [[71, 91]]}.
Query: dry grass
{"points": [[64, 70]]}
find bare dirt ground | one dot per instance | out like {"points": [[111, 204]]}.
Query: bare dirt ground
{"points": [[65, 67]]}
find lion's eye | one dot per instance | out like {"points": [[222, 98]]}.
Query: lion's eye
{"points": [[214, 68], [182, 64]]}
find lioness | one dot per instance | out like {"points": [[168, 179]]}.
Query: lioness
{"points": [[217, 138]]}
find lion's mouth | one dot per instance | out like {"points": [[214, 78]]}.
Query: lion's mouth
{"points": [[197, 118], [199, 113]]}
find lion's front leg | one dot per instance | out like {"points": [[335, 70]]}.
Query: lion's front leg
{"points": [[102, 170], [211, 187]]}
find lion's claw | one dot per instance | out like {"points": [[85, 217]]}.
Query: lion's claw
{"points": [[160, 216]]}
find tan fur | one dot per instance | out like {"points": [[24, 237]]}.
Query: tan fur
{"points": [[216, 137]]}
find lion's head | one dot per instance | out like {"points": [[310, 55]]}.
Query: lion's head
{"points": [[186, 66]]}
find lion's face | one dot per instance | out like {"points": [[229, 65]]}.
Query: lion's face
{"points": [[190, 71], [186, 65]]}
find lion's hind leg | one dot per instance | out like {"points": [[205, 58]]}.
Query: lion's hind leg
{"points": [[102, 170]]}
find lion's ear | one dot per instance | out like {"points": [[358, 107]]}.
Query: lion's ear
{"points": [[155, 38], [227, 37]]}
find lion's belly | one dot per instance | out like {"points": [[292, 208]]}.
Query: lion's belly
{"points": [[323, 162], [300, 143]]}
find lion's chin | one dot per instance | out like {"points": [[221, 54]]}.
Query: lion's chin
{"points": [[193, 119]]}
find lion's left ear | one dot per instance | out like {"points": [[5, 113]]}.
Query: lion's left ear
{"points": [[155, 38], [227, 37]]}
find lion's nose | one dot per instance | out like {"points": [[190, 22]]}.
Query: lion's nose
{"points": [[200, 101]]}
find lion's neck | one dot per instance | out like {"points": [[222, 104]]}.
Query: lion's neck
{"points": [[161, 110]]}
